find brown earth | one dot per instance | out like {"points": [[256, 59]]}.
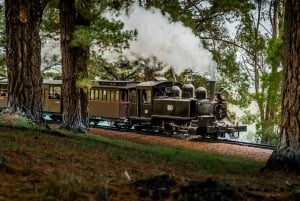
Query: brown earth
{"points": [[47, 167], [252, 153]]}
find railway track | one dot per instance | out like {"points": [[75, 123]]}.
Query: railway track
{"points": [[248, 144], [185, 137], [192, 138]]}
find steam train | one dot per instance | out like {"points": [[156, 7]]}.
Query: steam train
{"points": [[162, 106]]}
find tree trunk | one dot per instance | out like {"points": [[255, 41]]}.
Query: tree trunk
{"points": [[74, 68], [287, 152], [23, 53]]}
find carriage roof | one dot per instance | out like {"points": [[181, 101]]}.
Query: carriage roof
{"points": [[3, 80], [158, 84], [54, 82], [116, 84]]}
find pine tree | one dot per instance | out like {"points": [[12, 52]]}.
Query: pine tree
{"points": [[287, 152], [23, 53]]}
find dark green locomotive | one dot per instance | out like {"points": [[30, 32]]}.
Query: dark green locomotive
{"points": [[168, 107]]}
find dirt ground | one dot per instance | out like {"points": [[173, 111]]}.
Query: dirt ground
{"points": [[252, 153], [47, 167]]}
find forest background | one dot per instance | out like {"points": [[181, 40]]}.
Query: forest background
{"points": [[241, 39]]}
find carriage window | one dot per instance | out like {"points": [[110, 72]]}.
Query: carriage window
{"points": [[54, 92], [107, 95], [100, 94], [104, 94], [94, 94], [3, 90], [117, 96], [3, 93], [112, 96]]}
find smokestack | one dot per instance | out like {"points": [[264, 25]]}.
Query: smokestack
{"points": [[212, 85], [212, 81]]}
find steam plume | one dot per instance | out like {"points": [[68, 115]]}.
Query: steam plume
{"points": [[171, 42]]}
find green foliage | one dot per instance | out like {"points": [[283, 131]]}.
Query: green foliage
{"points": [[82, 37], [295, 193], [272, 82], [275, 51], [64, 186], [3, 70], [2, 161], [110, 34], [257, 50], [174, 10], [233, 78], [83, 83], [122, 69], [22, 122], [101, 34], [151, 67], [249, 117], [51, 67], [50, 25], [271, 136], [197, 79]]}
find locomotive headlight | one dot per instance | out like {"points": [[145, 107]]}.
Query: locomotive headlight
{"points": [[223, 95]]}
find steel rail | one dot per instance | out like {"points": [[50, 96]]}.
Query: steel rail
{"points": [[192, 138]]}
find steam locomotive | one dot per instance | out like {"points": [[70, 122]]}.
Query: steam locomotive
{"points": [[173, 108], [162, 106]]}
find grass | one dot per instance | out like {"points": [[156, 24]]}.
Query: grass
{"points": [[64, 186], [65, 166], [182, 158]]}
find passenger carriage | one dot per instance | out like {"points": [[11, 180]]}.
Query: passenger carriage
{"points": [[109, 102]]}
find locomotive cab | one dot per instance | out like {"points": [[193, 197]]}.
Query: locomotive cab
{"points": [[142, 101]]}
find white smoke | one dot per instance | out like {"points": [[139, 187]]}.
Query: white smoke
{"points": [[170, 42]]}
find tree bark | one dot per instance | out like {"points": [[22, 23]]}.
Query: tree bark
{"points": [[286, 155], [23, 53], [74, 68]]}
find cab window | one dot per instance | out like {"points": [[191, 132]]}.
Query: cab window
{"points": [[146, 96]]}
